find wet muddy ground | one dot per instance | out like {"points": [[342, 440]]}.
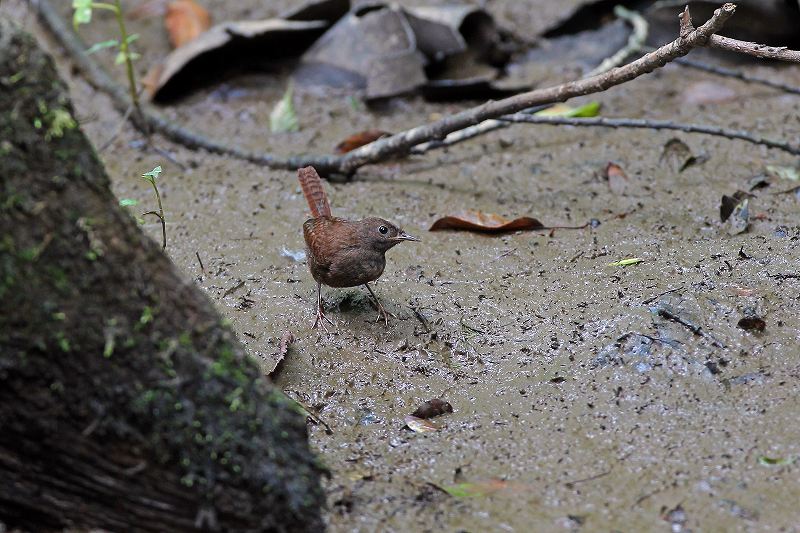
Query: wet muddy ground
{"points": [[586, 396]]}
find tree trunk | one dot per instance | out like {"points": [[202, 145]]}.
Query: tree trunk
{"points": [[125, 402]]}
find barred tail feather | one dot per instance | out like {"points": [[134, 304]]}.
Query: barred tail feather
{"points": [[315, 195]]}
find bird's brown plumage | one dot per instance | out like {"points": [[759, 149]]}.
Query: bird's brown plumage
{"points": [[344, 253], [315, 195]]}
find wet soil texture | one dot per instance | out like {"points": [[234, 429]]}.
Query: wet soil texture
{"points": [[585, 395]]}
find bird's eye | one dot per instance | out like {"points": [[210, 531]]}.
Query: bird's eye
{"points": [[384, 230]]}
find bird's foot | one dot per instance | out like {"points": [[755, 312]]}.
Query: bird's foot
{"points": [[384, 314], [321, 319]]}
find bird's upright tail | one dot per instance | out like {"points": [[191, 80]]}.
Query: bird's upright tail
{"points": [[313, 191]]}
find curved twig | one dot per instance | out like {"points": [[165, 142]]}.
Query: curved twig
{"points": [[635, 42], [653, 125]]}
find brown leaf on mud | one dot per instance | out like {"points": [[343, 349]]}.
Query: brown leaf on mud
{"points": [[486, 223], [735, 210], [185, 21], [617, 179], [752, 324], [286, 340], [432, 408], [359, 139], [678, 156], [419, 425]]}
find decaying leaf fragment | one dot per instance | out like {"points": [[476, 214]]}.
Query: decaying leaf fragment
{"points": [[420, 425], [432, 408], [283, 118], [185, 20], [283, 348], [386, 50], [204, 59], [753, 324], [359, 139], [486, 223], [475, 490], [617, 179], [678, 156], [783, 172], [735, 211]]}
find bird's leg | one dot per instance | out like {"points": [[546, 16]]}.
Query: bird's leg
{"points": [[382, 313], [320, 313]]}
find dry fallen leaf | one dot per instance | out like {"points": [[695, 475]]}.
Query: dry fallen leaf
{"points": [[359, 139], [678, 156], [208, 56], [752, 323], [286, 339], [420, 425], [617, 179], [486, 222], [185, 21], [433, 408]]}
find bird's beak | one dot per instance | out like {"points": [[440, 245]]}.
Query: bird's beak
{"points": [[403, 236]]}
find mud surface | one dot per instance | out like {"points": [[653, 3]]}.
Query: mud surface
{"points": [[586, 396]]}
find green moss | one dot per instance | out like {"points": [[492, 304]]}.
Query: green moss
{"points": [[146, 317], [58, 277], [63, 342]]}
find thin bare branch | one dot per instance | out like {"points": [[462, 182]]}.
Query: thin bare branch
{"points": [[635, 44], [653, 125], [754, 49], [402, 142]]}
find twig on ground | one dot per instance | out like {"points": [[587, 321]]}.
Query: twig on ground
{"points": [[202, 268], [400, 143], [635, 42], [654, 125]]}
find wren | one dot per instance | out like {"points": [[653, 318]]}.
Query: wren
{"points": [[344, 253]]}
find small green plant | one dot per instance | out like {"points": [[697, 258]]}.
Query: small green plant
{"points": [[83, 15], [150, 177]]}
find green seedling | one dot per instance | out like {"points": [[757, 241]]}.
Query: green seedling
{"points": [[83, 15], [150, 177]]}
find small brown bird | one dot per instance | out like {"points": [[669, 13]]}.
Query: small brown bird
{"points": [[344, 253]]}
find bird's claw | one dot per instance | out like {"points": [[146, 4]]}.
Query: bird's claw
{"points": [[384, 314], [321, 319]]}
